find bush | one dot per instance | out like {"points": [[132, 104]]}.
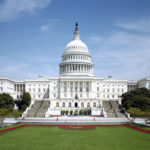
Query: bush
{"points": [[62, 112], [71, 112], [85, 112], [80, 112], [67, 112], [89, 112]]}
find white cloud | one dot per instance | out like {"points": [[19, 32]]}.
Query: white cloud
{"points": [[142, 25], [125, 55], [48, 26], [45, 27], [11, 9]]}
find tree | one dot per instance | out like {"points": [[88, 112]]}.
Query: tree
{"points": [[25, 102], [6, 101], [135, 112], [139, 98], [3, 114], [16, 114]]}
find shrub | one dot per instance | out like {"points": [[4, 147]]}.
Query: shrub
{"points": [[67, 112], [71, 112], [80, 112]]}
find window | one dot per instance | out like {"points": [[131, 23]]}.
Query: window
{"points": [[87, 89], [80, 89], [69, 104], [64, 94], [97, 95], [94, 104], [63, 105], [87, 94], [97, 88], [57, 104], [76, 89], [39, 90], [88, 104], [80, 95], [82, 105], [39, 96]]}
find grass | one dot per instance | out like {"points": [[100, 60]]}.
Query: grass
{"points": [[141, 126], [54, 138]]}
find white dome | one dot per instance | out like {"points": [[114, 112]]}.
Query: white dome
{"points": [[76, 45]]}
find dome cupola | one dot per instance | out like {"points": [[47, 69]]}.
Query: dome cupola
{"points": [[76, 59]]}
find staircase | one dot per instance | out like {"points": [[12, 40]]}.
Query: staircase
{"points": [[113, 109], [38, 109]]}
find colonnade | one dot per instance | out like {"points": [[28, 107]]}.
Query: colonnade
{"points": [[19, 87], [76, 68]]}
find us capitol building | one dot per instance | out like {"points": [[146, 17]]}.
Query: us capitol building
{"points": [[76, 87]]}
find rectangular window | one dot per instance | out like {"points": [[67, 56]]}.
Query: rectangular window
{"points": [[76, 89], [87, 89], [80, 89], [44, 90]]}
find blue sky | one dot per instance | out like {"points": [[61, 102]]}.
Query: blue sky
{"points": [[34, 33]]}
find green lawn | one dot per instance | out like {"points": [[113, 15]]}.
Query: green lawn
{"points": [[53, 138]]}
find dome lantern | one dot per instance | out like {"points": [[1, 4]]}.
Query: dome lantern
{"points": [[76, 32]]}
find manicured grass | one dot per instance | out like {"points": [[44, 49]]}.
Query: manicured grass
{"points": [[141, 126], [54, 138]]}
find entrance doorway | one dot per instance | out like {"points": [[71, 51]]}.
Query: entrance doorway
{"points": [[76, 104]]}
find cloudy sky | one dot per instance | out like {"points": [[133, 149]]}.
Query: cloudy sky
{"points": [[34, 33]]}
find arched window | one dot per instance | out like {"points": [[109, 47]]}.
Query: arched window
{"points": [[94, 104], [63, 105], [57, 104], [82, 105], [88, 104], [69, 104]]}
